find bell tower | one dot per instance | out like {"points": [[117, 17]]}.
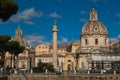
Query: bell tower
{"points": [[18, 36], [18, 33]]}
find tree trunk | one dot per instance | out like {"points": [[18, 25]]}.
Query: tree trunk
{"points": [[14, 61], [3, 61], [11, 60]]}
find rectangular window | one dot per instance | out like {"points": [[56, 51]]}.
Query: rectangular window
{"points": [[83, 65]]}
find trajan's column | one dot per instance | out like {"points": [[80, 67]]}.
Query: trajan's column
{"points": [[54, 45]]}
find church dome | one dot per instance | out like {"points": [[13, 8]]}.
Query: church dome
{"points": [[93, 26]]}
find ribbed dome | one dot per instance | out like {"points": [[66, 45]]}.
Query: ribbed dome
{"points": [[93, 26]]}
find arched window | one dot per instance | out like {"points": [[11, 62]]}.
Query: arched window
{"points": [[69, 60], [86, 29], [86, 41], [105, 41], [69, 65], [96, 41]]}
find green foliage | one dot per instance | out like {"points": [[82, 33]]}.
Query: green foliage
{"points": [[14, 47], [4, 39], [43, 66], [19, 50], [3, 43], [3, 46], [8, 70], [50, 67], [7, 9]]}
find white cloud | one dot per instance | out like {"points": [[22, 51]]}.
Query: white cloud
{"points": [[118, 14], [95, 1], [118, 23], [27, 15], [29, 22], [55, 15], [83, 20], [83, 12], [63, 41], [34, 40], [115, 39], [119, 36]]}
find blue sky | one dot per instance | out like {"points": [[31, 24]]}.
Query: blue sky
{"points": [[36, 18]]}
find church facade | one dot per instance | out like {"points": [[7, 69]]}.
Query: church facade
{"points": [[24, 60], [94, 51]]}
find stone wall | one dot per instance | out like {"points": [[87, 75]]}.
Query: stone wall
{"points": [[64, 77]]}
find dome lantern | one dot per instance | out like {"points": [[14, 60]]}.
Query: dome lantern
{"points": [[93, 15], [93, 26]]}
